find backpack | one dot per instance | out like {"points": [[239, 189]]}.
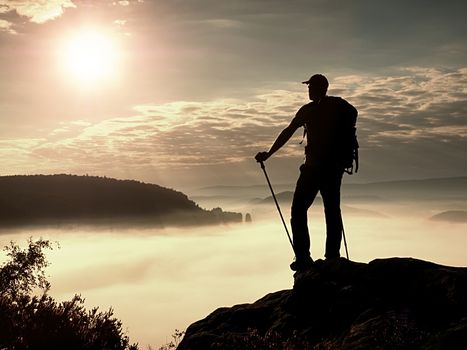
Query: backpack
{"points": [[348, 156]]}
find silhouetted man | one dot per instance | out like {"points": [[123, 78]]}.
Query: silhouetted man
{"points": [[330, 128]]}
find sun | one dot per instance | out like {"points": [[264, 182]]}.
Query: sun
{"points": [[90, 56]]}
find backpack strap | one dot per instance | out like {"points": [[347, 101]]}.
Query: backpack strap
{"points": [[356, 157], [350, 170], [304, 134]]}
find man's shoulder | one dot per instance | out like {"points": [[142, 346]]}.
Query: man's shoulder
{"points": [[308, 105], [339, 101], [306, 108], [335, 99], [302, 114]]}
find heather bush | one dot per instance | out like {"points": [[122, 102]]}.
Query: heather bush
{"points": [[31, 319]]}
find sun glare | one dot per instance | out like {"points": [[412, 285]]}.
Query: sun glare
{"points": [[90, 56]]}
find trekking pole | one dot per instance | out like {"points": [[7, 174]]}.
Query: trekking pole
{"points": [[277, 204], [345, 241]]}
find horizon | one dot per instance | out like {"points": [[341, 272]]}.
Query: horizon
{"points": [[224, 185]]}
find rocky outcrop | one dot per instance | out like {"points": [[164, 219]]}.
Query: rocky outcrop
{"points": [[397, 303]]}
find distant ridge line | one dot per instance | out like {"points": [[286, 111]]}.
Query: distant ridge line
{"points": [[386, 182]]}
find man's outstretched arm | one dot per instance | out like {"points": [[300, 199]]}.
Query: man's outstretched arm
{"points": [[281, 140]]}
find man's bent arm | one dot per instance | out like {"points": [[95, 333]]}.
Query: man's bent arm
{"points": [[281, 140]]}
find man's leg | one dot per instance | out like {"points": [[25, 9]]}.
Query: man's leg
{"points": [[330, 191], [304, 195]]}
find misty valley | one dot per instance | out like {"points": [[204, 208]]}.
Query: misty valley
{"points": [[171, 275], [443, 199]]}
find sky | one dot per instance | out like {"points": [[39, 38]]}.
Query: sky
{"points": [[184, 93]]}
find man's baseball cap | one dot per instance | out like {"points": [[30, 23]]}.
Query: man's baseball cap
{"points": [[317, 80]]}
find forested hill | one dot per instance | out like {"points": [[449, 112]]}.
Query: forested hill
{"points": [[64, 198]]}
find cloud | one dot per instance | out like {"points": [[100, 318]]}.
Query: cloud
{"points": [[106, 275], [18, 152], [418, 102], [223, 23], [38, 11], [414, 113], [120, 22], [6, 26], [126, 2]]}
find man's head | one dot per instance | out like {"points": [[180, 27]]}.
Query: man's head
{"points": [[317, 87]]}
